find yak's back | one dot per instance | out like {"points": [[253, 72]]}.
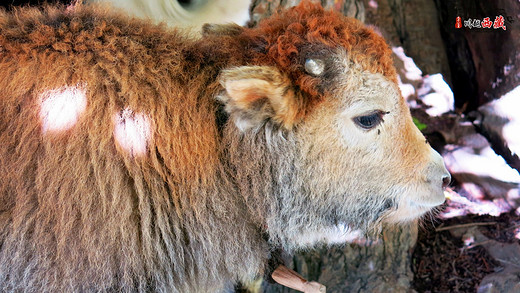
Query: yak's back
{"points": [[132, 88], [108, 142]]}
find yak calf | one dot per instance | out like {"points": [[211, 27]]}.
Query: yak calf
{"points": [[137, 158]]}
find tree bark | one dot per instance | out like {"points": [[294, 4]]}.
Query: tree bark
{"points": [[380, 266], [488, 55]]}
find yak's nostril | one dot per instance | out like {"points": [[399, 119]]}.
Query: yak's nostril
{"points": [[446, 180]]}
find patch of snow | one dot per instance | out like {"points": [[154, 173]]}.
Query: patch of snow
{"points": [[407, 90], [409, 75], [488, 185], [517, 233], [411, 71], [484, 163], [461, 206], [502, 116], [437, 94]]}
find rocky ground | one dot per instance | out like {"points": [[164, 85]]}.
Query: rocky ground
{"points": [[473, 245], [468, 254]]}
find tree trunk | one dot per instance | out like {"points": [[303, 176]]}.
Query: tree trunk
{"points": [[488, 55], [377, 267]]}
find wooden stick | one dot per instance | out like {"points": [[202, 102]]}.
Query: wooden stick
{"points": [[289, 278], [464, 226]]}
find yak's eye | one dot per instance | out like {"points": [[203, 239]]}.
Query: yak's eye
{"points": [[369, 121], [314, 66]]}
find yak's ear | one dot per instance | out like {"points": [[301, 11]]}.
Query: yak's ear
{"points": [[255, 94]]}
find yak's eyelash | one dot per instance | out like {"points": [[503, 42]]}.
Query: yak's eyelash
{"points": [[371, 120]]}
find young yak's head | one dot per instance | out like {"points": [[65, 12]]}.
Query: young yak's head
{"points": [[319, 105]]}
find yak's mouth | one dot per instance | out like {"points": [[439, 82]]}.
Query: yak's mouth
{"points": [[410, 203]]}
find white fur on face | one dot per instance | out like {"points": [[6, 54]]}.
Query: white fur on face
{"points": [[376, 94], [393, 159], [61, 108], [132, 131]]}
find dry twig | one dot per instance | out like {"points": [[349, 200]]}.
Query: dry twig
{"points": [[464, 226], [289, 278]]}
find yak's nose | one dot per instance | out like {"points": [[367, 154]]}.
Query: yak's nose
{"points": [[446, 180], [439, 170], [438, 174]]}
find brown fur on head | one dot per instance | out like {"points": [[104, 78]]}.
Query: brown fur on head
{"points": [[136, 158], [286, 40]]}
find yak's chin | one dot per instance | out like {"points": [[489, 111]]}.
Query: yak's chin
{"points": [[408, 212], [415, 203]]}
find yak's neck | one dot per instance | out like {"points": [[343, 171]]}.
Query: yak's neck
{"points": [[261, 164]]}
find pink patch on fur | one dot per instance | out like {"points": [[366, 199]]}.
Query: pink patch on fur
{"points": [[61, 108], [132, 131]]}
